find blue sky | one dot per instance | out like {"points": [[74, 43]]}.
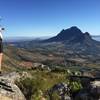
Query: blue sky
{"points": [[48, 17]]}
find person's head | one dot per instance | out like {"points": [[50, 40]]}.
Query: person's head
{"points": [[3, 29]]}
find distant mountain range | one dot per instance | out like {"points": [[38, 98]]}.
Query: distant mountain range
{"points": [[27, 38], [17, 39], [23, 38], [97, 38]]}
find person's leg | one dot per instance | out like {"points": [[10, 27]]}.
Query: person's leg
{"points": [[1, 54]]}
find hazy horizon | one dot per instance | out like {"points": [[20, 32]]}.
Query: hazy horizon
{"points": [[21, 38]]}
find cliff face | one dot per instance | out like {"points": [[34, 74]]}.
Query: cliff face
{"points": [[8, 89]]}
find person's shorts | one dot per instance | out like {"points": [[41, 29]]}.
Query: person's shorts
{"points": [[1, 46]]}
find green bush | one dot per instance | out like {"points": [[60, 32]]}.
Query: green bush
{"points": [[28, 86], [75, 86]]}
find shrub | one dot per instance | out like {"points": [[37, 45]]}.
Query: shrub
{"points": [[28, 86]]}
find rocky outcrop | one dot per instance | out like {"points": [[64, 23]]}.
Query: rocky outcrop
{"points": [[8, 89], [90, 90], [62, 89]]}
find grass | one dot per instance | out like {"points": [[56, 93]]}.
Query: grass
{"points": [[40, 81]]}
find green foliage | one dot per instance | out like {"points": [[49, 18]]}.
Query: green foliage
{"points": [[28, 87], [55, 96], [75, 86], [35, 87]]}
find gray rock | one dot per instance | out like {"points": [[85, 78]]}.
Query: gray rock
{"points": [[8, 89]]}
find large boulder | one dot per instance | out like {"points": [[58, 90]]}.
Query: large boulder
{"points": [[8, 89]]}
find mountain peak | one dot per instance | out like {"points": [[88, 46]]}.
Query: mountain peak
{"points": [[74, 27], [87, 34], [67, 34]]}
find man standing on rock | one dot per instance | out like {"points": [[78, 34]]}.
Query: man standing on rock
{"points": [[1, 47]]}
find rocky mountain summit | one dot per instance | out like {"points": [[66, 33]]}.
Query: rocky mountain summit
{"points": [[8, 89], [72, 34]]}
